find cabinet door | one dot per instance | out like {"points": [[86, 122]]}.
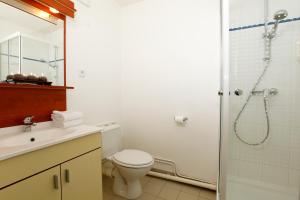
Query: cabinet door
{"points": [[43, 186], [82, 177]]}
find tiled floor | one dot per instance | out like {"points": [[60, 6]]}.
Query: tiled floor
{"points": [[160, 189]]}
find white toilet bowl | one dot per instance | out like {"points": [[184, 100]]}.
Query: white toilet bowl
{"points": [[127, 166], [131, 165]]}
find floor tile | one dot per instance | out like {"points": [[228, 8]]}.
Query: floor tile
{"points": [[174, 185], [145, 180], [107, 196], [157, 181], [202, 198], [152, 188], [207, 194], [169, 193], [191, 189], [160, 189], [118, 198], [146, 196], [186, 196], [108, 190]]}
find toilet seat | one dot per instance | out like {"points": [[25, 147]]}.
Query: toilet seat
{"points": [[133, 158]]}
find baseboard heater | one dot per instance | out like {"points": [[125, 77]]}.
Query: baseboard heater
{"points": [[175, 176]]}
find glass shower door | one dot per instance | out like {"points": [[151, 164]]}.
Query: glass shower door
{"points": [[9, 57], [263, 143]]}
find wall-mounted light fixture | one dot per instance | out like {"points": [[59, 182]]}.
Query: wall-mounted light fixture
{"points": [[33, 10], [44, 15], [53, 10]]}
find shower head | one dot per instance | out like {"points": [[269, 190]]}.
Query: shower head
{"points": [[280, 15]]}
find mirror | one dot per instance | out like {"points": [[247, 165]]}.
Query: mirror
{"points": [[31, 48]]}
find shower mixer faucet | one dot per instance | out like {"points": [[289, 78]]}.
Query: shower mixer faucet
{"points": [[266, 92]]}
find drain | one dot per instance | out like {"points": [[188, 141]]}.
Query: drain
{"points": [[32, 139]]}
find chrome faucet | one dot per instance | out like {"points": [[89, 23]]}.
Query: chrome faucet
{"points": [[28, 123]]}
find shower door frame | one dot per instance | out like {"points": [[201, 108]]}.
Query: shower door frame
{"points": [[224, 100]]}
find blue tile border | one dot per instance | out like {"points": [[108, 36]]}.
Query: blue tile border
{"points": [[262, 24]]}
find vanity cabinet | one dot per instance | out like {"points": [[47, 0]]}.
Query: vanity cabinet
{"points": [[38, 187], [80, 177], [67, 171]]}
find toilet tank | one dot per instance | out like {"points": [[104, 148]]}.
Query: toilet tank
{"points": [[111, 138]]}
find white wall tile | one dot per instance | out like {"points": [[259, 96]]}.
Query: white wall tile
{"points": [[295, 159], [275, 175], [294, 178], [252, 170], [276, 162]]}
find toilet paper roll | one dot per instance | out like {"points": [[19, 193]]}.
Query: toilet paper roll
{"points": [[180, 119]]}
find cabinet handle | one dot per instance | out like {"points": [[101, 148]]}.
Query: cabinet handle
{"points": [[55, 181], [67, 175]]}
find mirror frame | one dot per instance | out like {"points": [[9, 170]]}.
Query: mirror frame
{"points": [[66, 7]]}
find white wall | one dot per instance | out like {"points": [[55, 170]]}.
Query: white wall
{"points": [[171, 65], [93, 45]]}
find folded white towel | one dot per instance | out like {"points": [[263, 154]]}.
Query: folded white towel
{"points": [[59, 118], [67, 124], [66, 115]]}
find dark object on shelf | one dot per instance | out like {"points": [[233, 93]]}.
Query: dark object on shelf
{"points": [[32, 78], [45, 83], [10, 77], [19, 77], [29, 82], [42, 79]]}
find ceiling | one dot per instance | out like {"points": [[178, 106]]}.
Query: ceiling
{"points": [[127, 2]]}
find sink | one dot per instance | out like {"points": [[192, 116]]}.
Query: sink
{"points": [[14, 142], [22, 139], [17, 141]]}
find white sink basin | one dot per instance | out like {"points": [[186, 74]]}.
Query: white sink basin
{"points": [[15, 142], [30, 138]]}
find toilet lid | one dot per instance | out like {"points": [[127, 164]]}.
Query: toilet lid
{"points": [[131, 157]]}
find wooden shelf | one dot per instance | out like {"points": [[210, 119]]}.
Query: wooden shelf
{"points": [[28, 86]]}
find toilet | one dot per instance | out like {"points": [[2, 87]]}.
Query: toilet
{"points": [[129, 165]]}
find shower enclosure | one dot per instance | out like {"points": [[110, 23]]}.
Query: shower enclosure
{"points": [[24, 54], [260, 131]]}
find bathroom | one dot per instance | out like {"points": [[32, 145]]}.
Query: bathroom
{"points": [[149, 99]]}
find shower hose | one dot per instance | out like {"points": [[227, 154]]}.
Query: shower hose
{"points": [[267, 60]]}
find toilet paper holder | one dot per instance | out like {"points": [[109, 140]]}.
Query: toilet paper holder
{"points": [[180, 119]]}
